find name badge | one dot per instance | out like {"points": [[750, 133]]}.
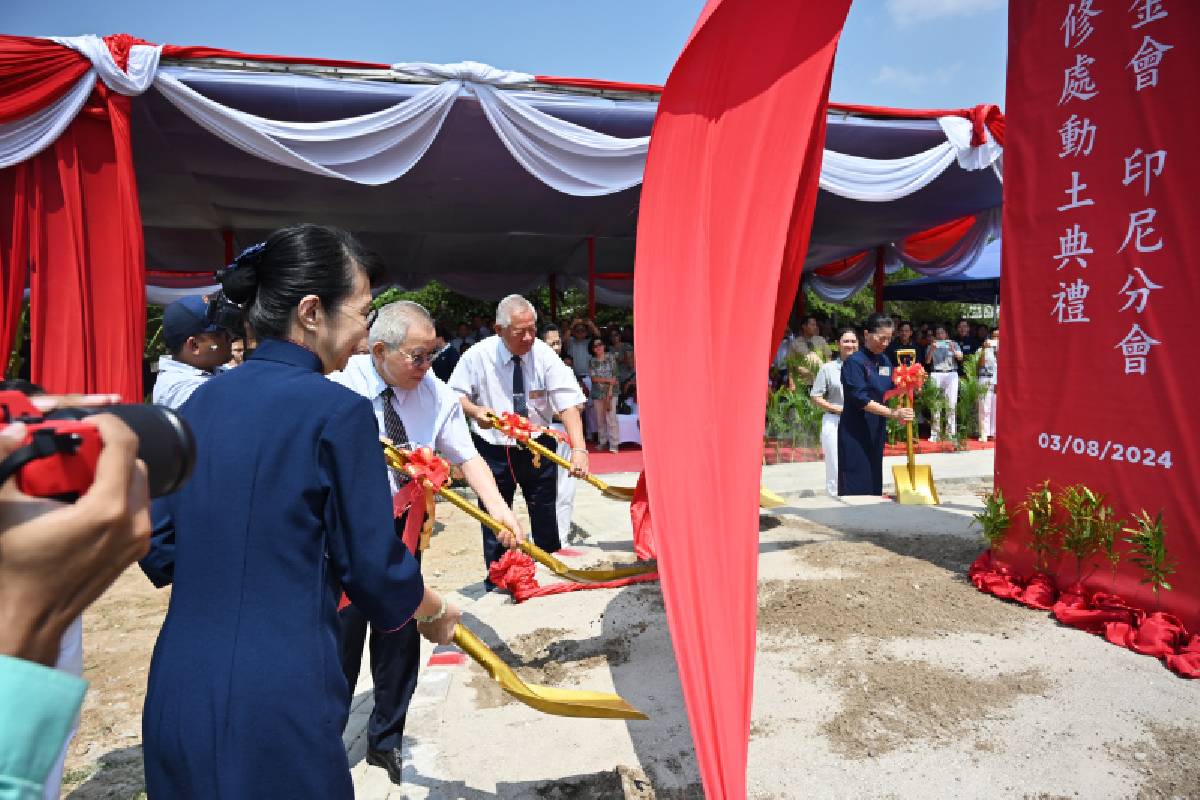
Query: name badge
{"points": [[885, 371]]}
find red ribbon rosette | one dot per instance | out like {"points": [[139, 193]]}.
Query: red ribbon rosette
{"points": [[425, 465], [908, 379], [517, 427]]}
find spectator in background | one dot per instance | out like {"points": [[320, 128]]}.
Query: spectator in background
{"points": [[811, 347], [579, 347], [827, 395], [966, 341], [944, 358], [602, 368], [623, 353], [446, 357], [196, 347], [552, 336], [565, 497], [463, 339], [982, 333], [905, 340], [479, 330], [237, 353], [924, 335], [987, 381]]}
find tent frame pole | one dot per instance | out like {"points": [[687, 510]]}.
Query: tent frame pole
{"points": [[879, 259], [591, 250]]}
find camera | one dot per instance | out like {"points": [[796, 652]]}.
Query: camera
{"points": [[224, 312], [58, 457]]}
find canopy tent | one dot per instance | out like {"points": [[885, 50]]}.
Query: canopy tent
{"points": [[978, 284]]}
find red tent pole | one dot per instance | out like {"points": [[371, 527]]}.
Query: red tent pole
{"points": [[553, 297], [591, 242], [879, 278], [227, 237]]}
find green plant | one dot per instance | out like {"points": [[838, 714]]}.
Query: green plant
{"points": [[13, 366], [1108, 525], [931, 404], [1148, 539], [1044, 532], [1081, 534], [994, 521], [969, 391]]}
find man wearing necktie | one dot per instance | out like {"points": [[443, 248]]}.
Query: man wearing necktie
{"points": [[515, 371], [413, 409]]}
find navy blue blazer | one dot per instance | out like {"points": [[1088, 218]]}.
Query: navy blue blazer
{"points": [[865, 377], [289, 504]]}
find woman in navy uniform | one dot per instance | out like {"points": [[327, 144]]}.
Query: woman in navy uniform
{"points": [[866, 375], [288, 506]]}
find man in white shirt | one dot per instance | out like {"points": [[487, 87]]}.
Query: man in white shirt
{"points": [[196, 346], [414, 409], [516, 371]]}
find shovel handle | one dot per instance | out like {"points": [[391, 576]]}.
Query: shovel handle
{"points": [[545, 452], [908, 432]]}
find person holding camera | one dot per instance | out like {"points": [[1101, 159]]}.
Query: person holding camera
{"points": [[197, 347], [287, 509], [944, 357], [55, 560]]}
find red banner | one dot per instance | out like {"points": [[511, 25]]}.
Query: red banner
{"points": [[1099, 286]]}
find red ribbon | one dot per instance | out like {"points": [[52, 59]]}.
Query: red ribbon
{"points": [[908, 379], [517, 427], [424, 465], [514, 573]]}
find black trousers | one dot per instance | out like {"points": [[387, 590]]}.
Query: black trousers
{"points": [[513, 467], [395, 661]]}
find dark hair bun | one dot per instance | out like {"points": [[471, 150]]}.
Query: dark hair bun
{"points": [[240, 279]]}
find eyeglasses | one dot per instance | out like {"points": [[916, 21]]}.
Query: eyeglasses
{"points": [[418, 359]]}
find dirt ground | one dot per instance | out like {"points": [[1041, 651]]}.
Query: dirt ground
{"points": [[836, 610]]}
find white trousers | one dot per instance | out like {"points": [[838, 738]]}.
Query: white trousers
{"points": [[987, 409], [607, 428], [564, 501], [829, 429], [948, 383], [70, 660]]}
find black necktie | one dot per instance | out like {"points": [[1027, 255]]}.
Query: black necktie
{"points": [[519, 404], [393, 428]]}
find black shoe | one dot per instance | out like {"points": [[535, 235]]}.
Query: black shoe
{"points": [[391, 760]]}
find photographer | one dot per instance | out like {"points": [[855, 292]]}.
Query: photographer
{"points": [[55, 560], [287, 508], [197, 348]]}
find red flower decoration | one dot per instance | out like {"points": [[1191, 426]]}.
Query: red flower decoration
{"points": [[521, 429], [424, 465], [909, 377]]}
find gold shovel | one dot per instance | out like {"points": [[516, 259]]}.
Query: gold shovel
{"points": [[397, 458], [561, 702], [766, 498], [914, 482]]}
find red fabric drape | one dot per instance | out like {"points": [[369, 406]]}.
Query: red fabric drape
{"points": [[200, 51], [929, 244], [731, 181], [76, 206], [34, 73], [14, 255]]}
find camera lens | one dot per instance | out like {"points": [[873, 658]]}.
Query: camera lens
{"points": [[165, 442]]}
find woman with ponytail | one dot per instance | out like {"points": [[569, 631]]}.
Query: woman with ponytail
{"points": [[289, 507]]}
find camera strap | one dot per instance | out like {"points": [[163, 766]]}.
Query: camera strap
{"points": [[45, 443]]}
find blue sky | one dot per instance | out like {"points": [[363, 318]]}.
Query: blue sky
{"points": [[907, 53]]}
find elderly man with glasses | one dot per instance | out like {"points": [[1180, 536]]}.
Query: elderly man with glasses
{"points": [[414, 409], [516, 371]]}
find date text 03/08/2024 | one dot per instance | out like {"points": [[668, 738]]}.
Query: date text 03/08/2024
{"points": [[1106, 450]]}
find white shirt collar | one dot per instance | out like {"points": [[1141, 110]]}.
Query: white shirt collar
{"points": [[169, 364]]}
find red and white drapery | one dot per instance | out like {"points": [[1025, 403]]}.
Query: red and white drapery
{"points": [[945, 250]]}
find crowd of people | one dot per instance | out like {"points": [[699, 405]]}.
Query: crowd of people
{"points": [[808, 359]]}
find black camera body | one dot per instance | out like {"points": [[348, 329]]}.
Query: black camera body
{"points": [[58, 457]]}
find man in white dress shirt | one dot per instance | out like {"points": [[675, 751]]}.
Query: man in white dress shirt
{"points": [[414, 409], [516, 371], [196, 346]]}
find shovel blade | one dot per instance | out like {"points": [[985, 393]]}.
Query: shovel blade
{"points": [[582, 575], [768, 499], [915, 488], [560, 702], [618, 492]]}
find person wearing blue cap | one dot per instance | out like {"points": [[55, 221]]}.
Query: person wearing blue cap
{"points": [[196, 348]]}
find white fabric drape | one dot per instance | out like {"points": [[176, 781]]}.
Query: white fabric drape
{"points": [[381, 147], [838, 288]]}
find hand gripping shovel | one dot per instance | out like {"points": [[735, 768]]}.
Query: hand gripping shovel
{"points": [[914, 482], [561, 702], [766, 499], [397, 458]]}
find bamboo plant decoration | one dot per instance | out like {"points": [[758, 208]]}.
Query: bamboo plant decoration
{"points": [[1044, 532], [1147, 537], [994, 520]]}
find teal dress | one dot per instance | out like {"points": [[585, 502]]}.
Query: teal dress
{"points": [[289, 504]]}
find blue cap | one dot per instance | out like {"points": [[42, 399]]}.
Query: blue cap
{"points": [[185, 318]]}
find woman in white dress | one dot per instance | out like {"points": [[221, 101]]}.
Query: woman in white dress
{"points": [[827, 395]]}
